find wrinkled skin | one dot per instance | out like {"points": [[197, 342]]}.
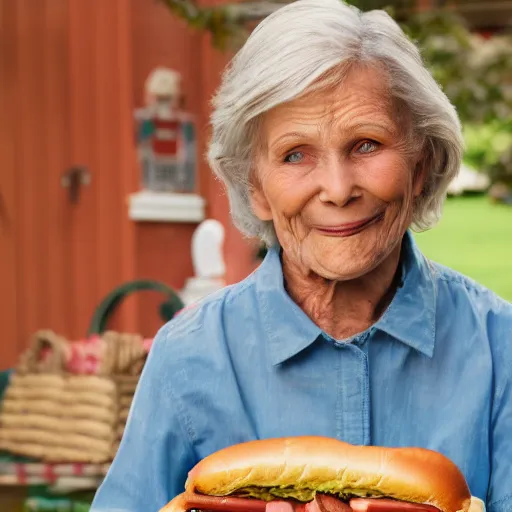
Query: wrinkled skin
{"points": [[329, 160]]}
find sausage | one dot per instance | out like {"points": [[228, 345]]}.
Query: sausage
{"points": [[386, 505], [326, 503], [280, 506], [321, 503], [223, 504]]}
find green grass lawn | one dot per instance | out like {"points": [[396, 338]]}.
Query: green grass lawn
{"points": [[474, 237]]}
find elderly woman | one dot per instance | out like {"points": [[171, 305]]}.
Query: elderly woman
{"points": [[332, 140]]}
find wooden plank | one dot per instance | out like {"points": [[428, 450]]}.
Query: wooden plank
{"points": [[57, 141], [109, 110], [128, 160], [9, 317], [126, 175], [84, 151], [31, 168]]}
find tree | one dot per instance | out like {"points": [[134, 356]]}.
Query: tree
{"points": [[474, 72]]}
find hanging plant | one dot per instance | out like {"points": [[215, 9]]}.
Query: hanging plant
{"points": [[227, 23]]}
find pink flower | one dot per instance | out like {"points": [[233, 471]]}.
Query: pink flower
{"points": [[90, 364]]}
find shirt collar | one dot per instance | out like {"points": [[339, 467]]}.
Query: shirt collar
{"points": [[288, 329], [410, 318]]}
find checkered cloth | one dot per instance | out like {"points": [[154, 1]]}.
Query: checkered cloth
{"points": [[69, 476]]}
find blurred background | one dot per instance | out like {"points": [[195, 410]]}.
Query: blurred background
{"points": [[110, 220]]}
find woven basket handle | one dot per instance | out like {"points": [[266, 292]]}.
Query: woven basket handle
{"points": [[46, 354], [107, 307]]}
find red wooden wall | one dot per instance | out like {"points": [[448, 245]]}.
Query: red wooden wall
{"points": [[71, 72]]}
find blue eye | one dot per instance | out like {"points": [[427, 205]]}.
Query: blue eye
{"points": [[367, 147], [294, 158]]}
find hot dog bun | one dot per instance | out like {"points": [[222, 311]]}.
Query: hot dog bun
{"points": [[298, 467]]}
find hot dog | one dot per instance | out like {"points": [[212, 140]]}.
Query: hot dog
{"points": [[318, 474]]}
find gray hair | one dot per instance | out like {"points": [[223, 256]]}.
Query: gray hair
{"points": [[284, 56]]}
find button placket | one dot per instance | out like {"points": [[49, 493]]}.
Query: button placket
{"points": [[353, 398]]}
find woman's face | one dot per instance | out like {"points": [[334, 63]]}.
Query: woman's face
{"points": [[336, 177]]}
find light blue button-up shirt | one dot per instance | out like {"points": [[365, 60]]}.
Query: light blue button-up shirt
{"points": [[246, 363]]}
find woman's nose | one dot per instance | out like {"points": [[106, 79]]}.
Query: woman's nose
{"points": [[337, 182]]}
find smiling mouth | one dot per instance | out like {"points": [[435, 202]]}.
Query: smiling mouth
{"points": [[351, 228]]}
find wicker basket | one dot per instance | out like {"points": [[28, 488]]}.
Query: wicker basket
{"points": [[69, 401]]}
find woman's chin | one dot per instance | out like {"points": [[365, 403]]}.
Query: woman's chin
{"points": [[341, 269], [341, 263], [344, 259]]}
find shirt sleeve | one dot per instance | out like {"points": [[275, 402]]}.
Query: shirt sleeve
{"points": [[500, 487], [155, 454]]}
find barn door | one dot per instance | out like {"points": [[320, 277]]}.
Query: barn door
{"points": [[66, 164]]}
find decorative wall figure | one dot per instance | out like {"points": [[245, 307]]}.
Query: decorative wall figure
{"points": [[166, 139]]}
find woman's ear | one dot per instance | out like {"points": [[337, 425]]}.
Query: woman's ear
{"points": [[259, 202]]}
